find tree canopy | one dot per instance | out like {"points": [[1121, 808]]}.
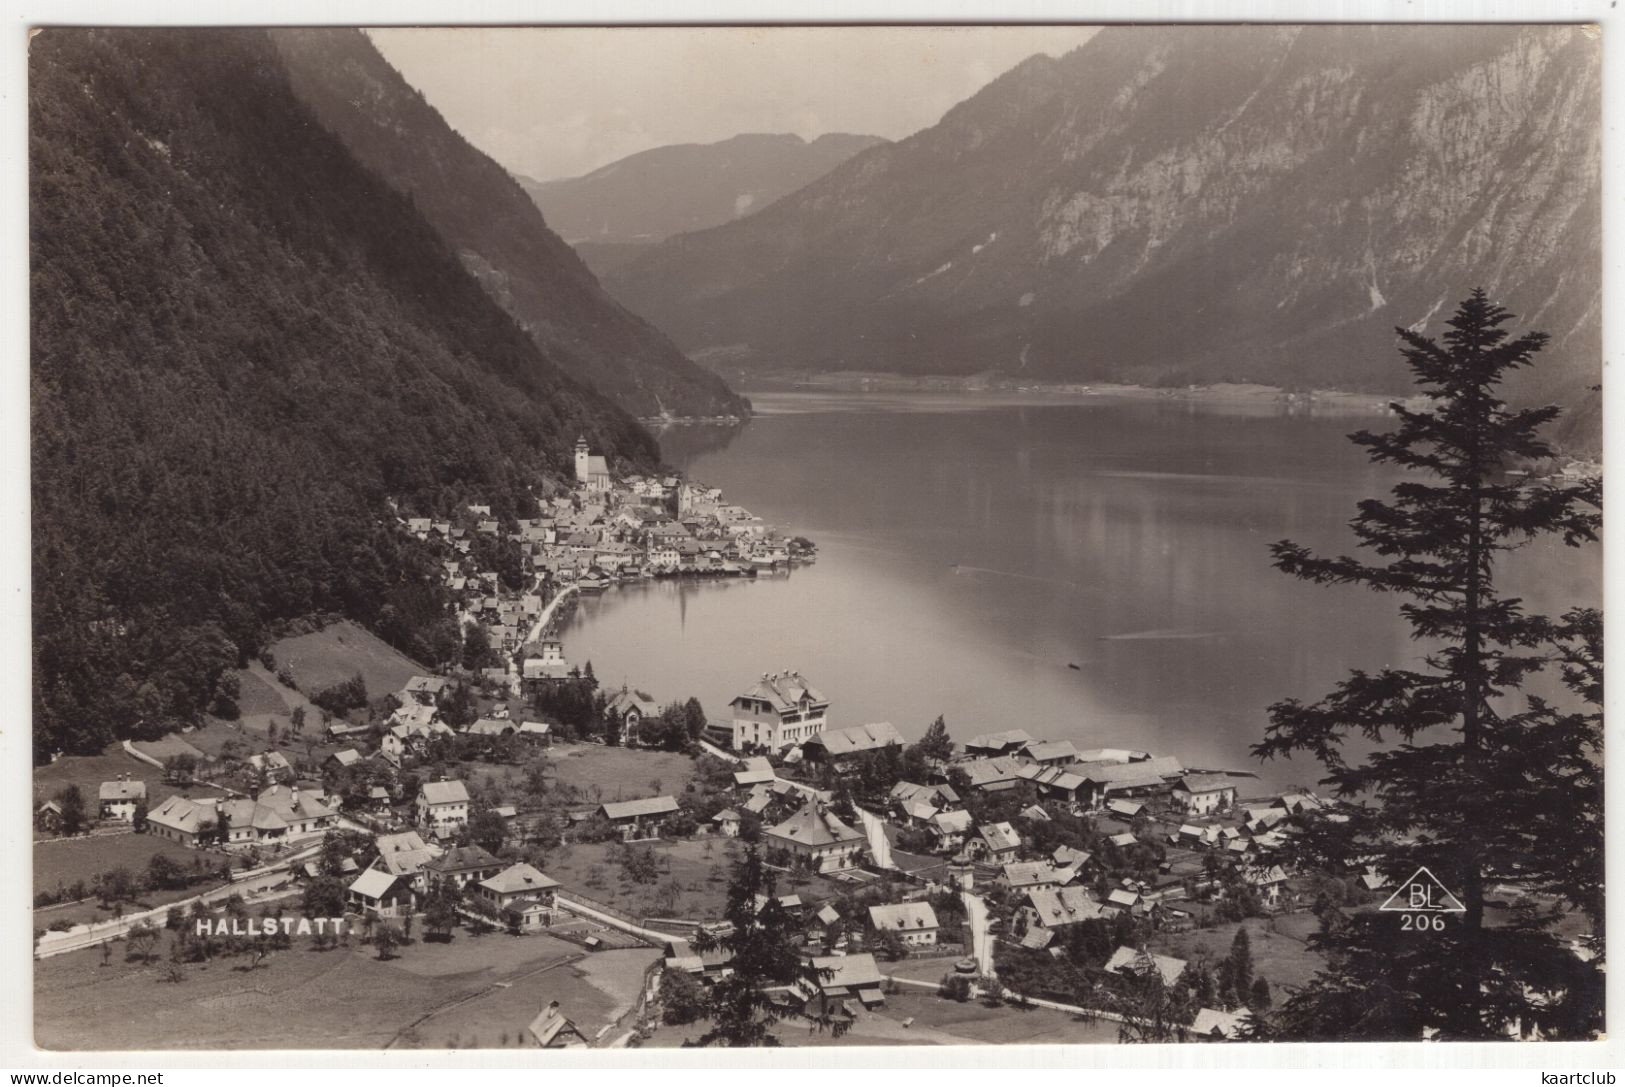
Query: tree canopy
{"points": [[244, 346], [1461, 777]]}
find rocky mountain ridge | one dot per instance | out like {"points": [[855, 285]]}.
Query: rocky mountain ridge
{"points": [[1172, 205]]}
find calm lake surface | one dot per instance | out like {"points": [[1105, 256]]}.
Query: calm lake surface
{"points": [[973, 548]]}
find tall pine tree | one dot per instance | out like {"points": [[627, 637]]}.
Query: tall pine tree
{"points": [[1452, 781], [765, 957]]}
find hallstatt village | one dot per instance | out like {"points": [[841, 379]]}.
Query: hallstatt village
{"points": [[517, 807], [639, 538]]}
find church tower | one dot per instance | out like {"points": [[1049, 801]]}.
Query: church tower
{"points": [[582, 460]]}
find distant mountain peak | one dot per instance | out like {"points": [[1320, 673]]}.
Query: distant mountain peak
{"points": [[651, 195], [1180, 204]]}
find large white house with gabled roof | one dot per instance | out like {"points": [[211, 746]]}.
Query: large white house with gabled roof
{"points": [[780, 710], [442, 806]]}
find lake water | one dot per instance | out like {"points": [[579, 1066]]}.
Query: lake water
{"points": [[973, 549]]}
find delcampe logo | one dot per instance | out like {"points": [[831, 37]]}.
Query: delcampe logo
{"points": [[1424, 901]]}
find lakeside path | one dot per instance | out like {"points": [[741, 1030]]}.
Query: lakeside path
{"points": [[546, 617], [535, 632]]}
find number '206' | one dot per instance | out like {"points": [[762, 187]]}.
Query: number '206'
{"points": [[1421, 922]]}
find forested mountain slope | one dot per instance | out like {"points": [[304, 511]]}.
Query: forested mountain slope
{"points": [[244, 343], [495, 229]]}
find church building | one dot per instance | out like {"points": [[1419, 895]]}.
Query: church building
{"points": [[592, 472]]}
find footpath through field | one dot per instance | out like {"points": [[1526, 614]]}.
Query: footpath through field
{"points": [[653, 936]]}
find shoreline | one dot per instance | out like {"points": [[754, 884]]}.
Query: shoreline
{"points": [[1220, 392]]}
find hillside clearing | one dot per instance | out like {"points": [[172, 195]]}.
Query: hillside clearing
{"points": [[335, 653]]}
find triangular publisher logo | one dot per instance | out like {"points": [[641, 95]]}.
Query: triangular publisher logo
{"points": [[1423, 893]]}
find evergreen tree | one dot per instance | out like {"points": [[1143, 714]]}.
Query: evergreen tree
{"points": [[936, 744], [485, 828], [72, 802], [1449, 784], [440, 910], [694, 715], [477, 651], [323, 897], [764, 955], [1258, 997], [1241, 964]]}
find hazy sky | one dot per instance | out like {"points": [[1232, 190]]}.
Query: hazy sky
{"points": [[560, 102]]}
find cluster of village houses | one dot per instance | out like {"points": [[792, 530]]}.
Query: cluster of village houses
{"points": [[783, 716], [777, 732], [607, 532]]}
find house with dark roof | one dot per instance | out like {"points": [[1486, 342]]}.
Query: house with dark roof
{"points": [[405, 855], [521, 892], [490, 728], [999, 842], [551, 1028], [840, 978], [1049, 752], [343, 760], [1022, 876], [915, 922], [951, 827], [995, 744], [181, 820], [816, 834], [1213, 1025], [1124, 808], [548, 665], [841, 747], [1057, 907], [780, 710], [274, 764], [424, 690], [629, 708], [280, 813], [119, 799], [939, 796], [996, 774], [640, 818], [461, 865], [1136, 962], [1204, 793], [48, 817], [1104, 780], [756, 771], [727, 822]]}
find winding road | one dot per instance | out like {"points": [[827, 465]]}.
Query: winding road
{"points": [[101, 932]]}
